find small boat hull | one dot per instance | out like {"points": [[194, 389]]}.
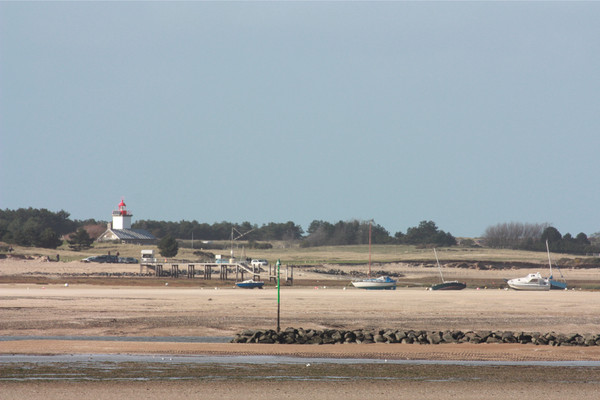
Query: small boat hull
{"points": [[382, 283], [453, 285], [250, 284], [532, 282], [556, 285]]}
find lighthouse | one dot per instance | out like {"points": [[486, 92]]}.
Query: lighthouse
{"points": [[120, 229], [121, 218]]}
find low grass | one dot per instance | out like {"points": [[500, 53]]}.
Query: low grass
{"points": [[294, 254]]}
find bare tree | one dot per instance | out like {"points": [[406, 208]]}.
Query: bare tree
{"points": [[512, 234]]}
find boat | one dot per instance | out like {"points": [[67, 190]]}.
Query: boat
{"points": [[446, 285], [536, 281], [554, 284], [530, 282], [250, 284], [383, 282]]}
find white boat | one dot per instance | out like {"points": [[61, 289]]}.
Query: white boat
{"points": [[530, 282], [536, 281], [383, 282]]}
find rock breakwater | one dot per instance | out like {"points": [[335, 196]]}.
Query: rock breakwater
{"points": [[333, 336]]}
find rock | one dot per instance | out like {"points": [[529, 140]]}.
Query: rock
{"points": [[332, 336], [434, 337]]}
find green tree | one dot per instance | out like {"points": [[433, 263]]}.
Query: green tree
{"points": [[49, 239], [80, 240], [427, 233], [551, 234], [168, 246]]}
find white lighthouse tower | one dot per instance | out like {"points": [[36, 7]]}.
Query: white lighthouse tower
{"points": [[121, 219], [120, 229]]}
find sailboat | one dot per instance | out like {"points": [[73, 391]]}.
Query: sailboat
{"points": [[383, 282], [446, 285], [554, 284]]}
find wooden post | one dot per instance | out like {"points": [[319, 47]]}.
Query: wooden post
{"points": [[191, 271], [278, 298], [290, 275]]}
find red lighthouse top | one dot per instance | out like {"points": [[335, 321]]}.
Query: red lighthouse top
{"points": [[122, 208]]}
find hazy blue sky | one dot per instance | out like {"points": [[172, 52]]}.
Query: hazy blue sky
{"points": [[469, 114]]}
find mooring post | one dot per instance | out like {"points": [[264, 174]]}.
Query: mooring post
{"points": [[278, 296]]}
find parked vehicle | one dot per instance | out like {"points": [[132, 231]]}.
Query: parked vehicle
{"points": [[128, 260], [148, 256], [259, 263], [105, 258]]}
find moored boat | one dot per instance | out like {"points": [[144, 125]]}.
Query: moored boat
{"points": [[557, 285], [446, 285], [530, 282], [383, 282], [250, 284], [554, 284], [449, 285]]}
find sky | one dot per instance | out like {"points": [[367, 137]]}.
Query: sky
{"points": [[468, 114]]}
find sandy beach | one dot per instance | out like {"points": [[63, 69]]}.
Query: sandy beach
{"points": [[58, 307]]}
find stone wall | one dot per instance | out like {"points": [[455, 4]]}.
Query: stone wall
{"points": [[331, 336]]}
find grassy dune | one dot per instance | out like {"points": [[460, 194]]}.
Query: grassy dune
{"points": [[293, 254]]}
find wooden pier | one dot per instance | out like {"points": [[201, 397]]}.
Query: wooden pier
{"points": [[190, 270]]}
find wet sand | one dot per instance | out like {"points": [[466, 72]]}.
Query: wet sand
{"points": [[57, 309]]}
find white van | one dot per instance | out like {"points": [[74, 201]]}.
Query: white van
{"points": [[147, 257]]}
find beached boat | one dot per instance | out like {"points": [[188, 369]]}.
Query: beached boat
{"points": [[446, 285], [530, 282], [383, 282], [536, 281], [554, 284], [557, 285], [449, 285], [250, 284]]}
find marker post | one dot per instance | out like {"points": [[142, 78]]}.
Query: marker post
{"points": [[278, 295]]}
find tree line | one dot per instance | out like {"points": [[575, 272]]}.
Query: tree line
{"points": [[533, 237], [44, 228], [36, 227], [319, 233]]}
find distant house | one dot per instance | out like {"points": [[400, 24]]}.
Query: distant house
{"points": [[120, 229]]}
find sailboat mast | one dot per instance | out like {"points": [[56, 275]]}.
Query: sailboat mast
{"points": [[438, 264], [369, 249], [549, 262]]}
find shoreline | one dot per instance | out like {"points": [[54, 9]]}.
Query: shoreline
{"points": [[453, 352]]}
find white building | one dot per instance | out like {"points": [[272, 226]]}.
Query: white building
{"points": [[120, 229]]}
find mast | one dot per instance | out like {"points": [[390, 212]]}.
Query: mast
{"points": [[438, 264], [549, 262], [370, 247]]}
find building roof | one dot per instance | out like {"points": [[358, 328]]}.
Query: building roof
{"points": [[133, 234]]}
